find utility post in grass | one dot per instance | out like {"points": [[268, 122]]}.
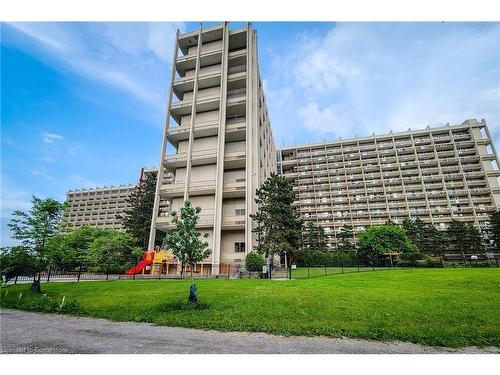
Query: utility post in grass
{"points": [[277, 224], [186, 243]]}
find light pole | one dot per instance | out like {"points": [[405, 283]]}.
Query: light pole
{"points": [[286, 266]]}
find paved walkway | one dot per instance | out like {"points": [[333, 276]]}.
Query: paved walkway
{"points": [[27, 332]]}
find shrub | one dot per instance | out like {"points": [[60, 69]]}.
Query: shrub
{"points": [[254, 262]]}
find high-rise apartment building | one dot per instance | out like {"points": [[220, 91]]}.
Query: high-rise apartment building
{"points": [[97, 207], [435, 174], [217, 139], [100, 207]]}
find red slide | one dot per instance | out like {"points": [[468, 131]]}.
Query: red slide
{"points": [[147, 259]]}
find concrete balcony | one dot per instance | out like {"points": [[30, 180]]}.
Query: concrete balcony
{"points": [[188, 62], [233, 222], [205, 79], [201, 157], [201, 129], [235, 159], [235, 189], [236, 96], [195, 188], [205, 220], [236, 128], [203, 103]]}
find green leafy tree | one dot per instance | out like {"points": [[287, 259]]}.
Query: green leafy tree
{"points": [[71, 247], [277, 225], [35, 227], [494, 230], [185, 241], [137, 219], [254, 262], [345, 239], [16, 260], [382, 239], [112, 251]]}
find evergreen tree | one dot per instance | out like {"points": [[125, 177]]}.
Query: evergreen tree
{"points": [[457, 235], [494, 230], [184, 241], [277, 225], [137, 219], [35, 228], [433, 241], [465, 238], [345, 239], [419, 233], [313, 237]]}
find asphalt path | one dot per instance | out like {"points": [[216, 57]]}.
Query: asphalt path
{"points": [[28, 332]]}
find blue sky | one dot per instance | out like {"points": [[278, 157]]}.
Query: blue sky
{"points": [[82, 104]]}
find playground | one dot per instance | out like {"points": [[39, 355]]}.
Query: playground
{"points": [[437, 307]]}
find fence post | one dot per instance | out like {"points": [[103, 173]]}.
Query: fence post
{"points": [[290, 272], [79, 272], [496, 261], [342, 265], [358, 267], [15, 280], [48, 273], [107, 271], [308, 275]]}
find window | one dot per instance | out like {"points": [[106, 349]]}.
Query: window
{"points": [[240, 212], [239, 247]]}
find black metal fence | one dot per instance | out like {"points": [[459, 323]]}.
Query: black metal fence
{"points": [[86, 272]]}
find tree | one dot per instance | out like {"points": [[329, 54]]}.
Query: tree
{"points": [[36, 227], [465, 238], [382, 239], [313, 238], [112, 251], [14, 261], [433, 241], [70, 248], [137, 219], [494, 230], [185, 241], [345, 241], [277, 225], [254, 262]]}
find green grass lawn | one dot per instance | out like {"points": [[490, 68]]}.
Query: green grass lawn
{"points": [[305, 272], [441, 307]]}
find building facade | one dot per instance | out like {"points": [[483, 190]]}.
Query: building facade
{"points": [[218, 128], [435, 174], [97, 207]]}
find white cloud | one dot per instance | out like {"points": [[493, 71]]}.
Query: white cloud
{"points": [[51, 137], [126, 56], [361, 78], [13, 198], [331, 120], [41, 173], [46, 159], [161, 38], [81, 182]]}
